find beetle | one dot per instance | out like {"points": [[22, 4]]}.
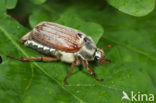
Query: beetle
{"points": [[63, 43]]}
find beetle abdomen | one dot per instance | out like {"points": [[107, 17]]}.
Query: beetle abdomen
{"points": [[40, 47]]}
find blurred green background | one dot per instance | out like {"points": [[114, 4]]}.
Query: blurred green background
{"points": [[128, 25]]}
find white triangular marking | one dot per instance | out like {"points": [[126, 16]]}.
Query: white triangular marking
{"points": [[125, 96]]}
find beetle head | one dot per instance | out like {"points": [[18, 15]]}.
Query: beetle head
{"points": [[99, 56]]}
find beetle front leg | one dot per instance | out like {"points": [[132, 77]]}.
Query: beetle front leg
{"points": [[71, 70], [92, 72], [46, 59], [106, 60]]}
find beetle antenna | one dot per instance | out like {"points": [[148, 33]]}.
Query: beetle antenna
{"points": [[108, 46], [103, 60]]}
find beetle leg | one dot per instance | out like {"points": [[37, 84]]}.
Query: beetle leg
{"points": [[46, 59], [92, 72], [71, 70], [106, 60], [103, 62]]}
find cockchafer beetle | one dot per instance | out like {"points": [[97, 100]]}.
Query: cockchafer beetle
{"points": [[63, 43]]}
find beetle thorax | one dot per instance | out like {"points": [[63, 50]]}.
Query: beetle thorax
{"points": [[88, 49]]}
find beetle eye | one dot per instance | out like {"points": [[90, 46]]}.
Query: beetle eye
{"points": [[85, 39]]}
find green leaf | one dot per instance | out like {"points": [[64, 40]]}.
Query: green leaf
{"points": [[7, 4], [132, 54], [10, 4], [38, 16], [134, 7], [38, 1], [3, 8]]}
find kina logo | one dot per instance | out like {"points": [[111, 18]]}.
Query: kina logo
{"points": [[137, 96]]}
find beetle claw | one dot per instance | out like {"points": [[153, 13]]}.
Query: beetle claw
{"points": [[65, 82], [100, 80]]}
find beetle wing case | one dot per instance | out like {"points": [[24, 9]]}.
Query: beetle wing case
{"points": [[57, 36]]}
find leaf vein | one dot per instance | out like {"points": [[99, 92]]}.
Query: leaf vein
{"points": [[46, 73]]}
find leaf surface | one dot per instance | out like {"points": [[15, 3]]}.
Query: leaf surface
{"points": [[132, 54], [133, 7]]}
